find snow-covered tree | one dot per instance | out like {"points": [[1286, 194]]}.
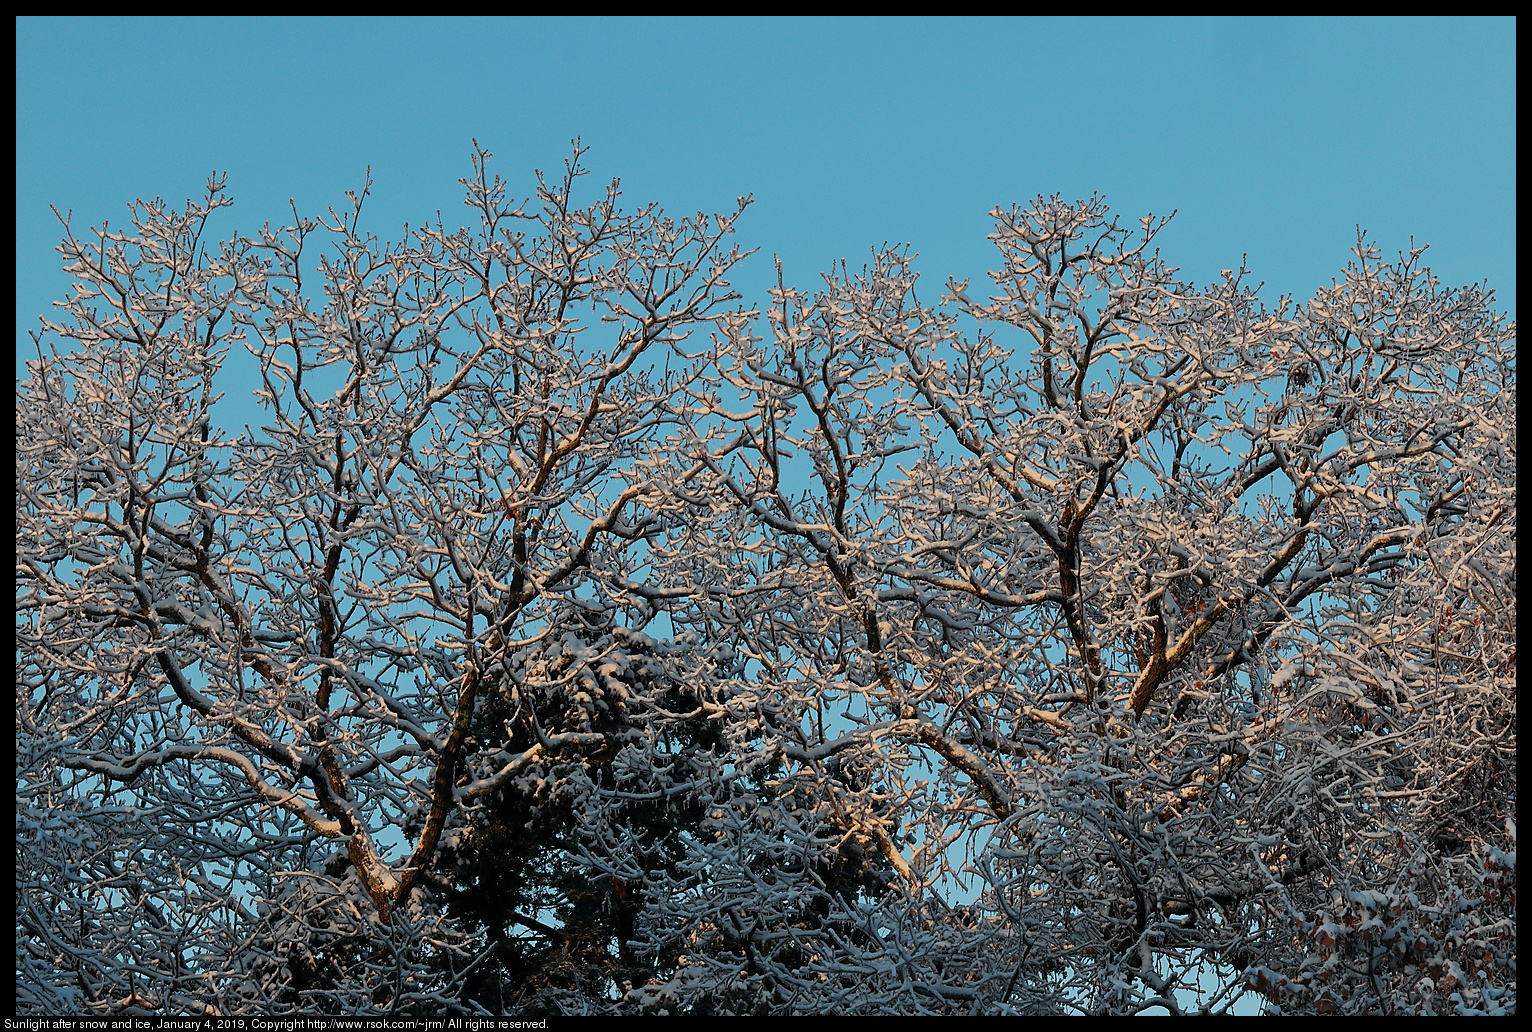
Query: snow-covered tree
{"points": [[569, 638]]}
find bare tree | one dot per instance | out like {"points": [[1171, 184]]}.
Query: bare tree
{"points": [[1162, 609], [282, 637], [1135, 639]]}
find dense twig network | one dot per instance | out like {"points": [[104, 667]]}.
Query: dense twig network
{"points": [[569, 638]]}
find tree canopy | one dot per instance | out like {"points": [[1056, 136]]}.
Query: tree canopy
{"points": [[571, 637]]}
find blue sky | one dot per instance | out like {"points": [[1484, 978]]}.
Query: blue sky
{"points": [[1272, 137]]}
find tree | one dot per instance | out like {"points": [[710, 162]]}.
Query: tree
{"points": [[538, 654]]}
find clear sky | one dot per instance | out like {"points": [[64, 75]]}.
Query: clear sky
{"points": [[1272, 137]]}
